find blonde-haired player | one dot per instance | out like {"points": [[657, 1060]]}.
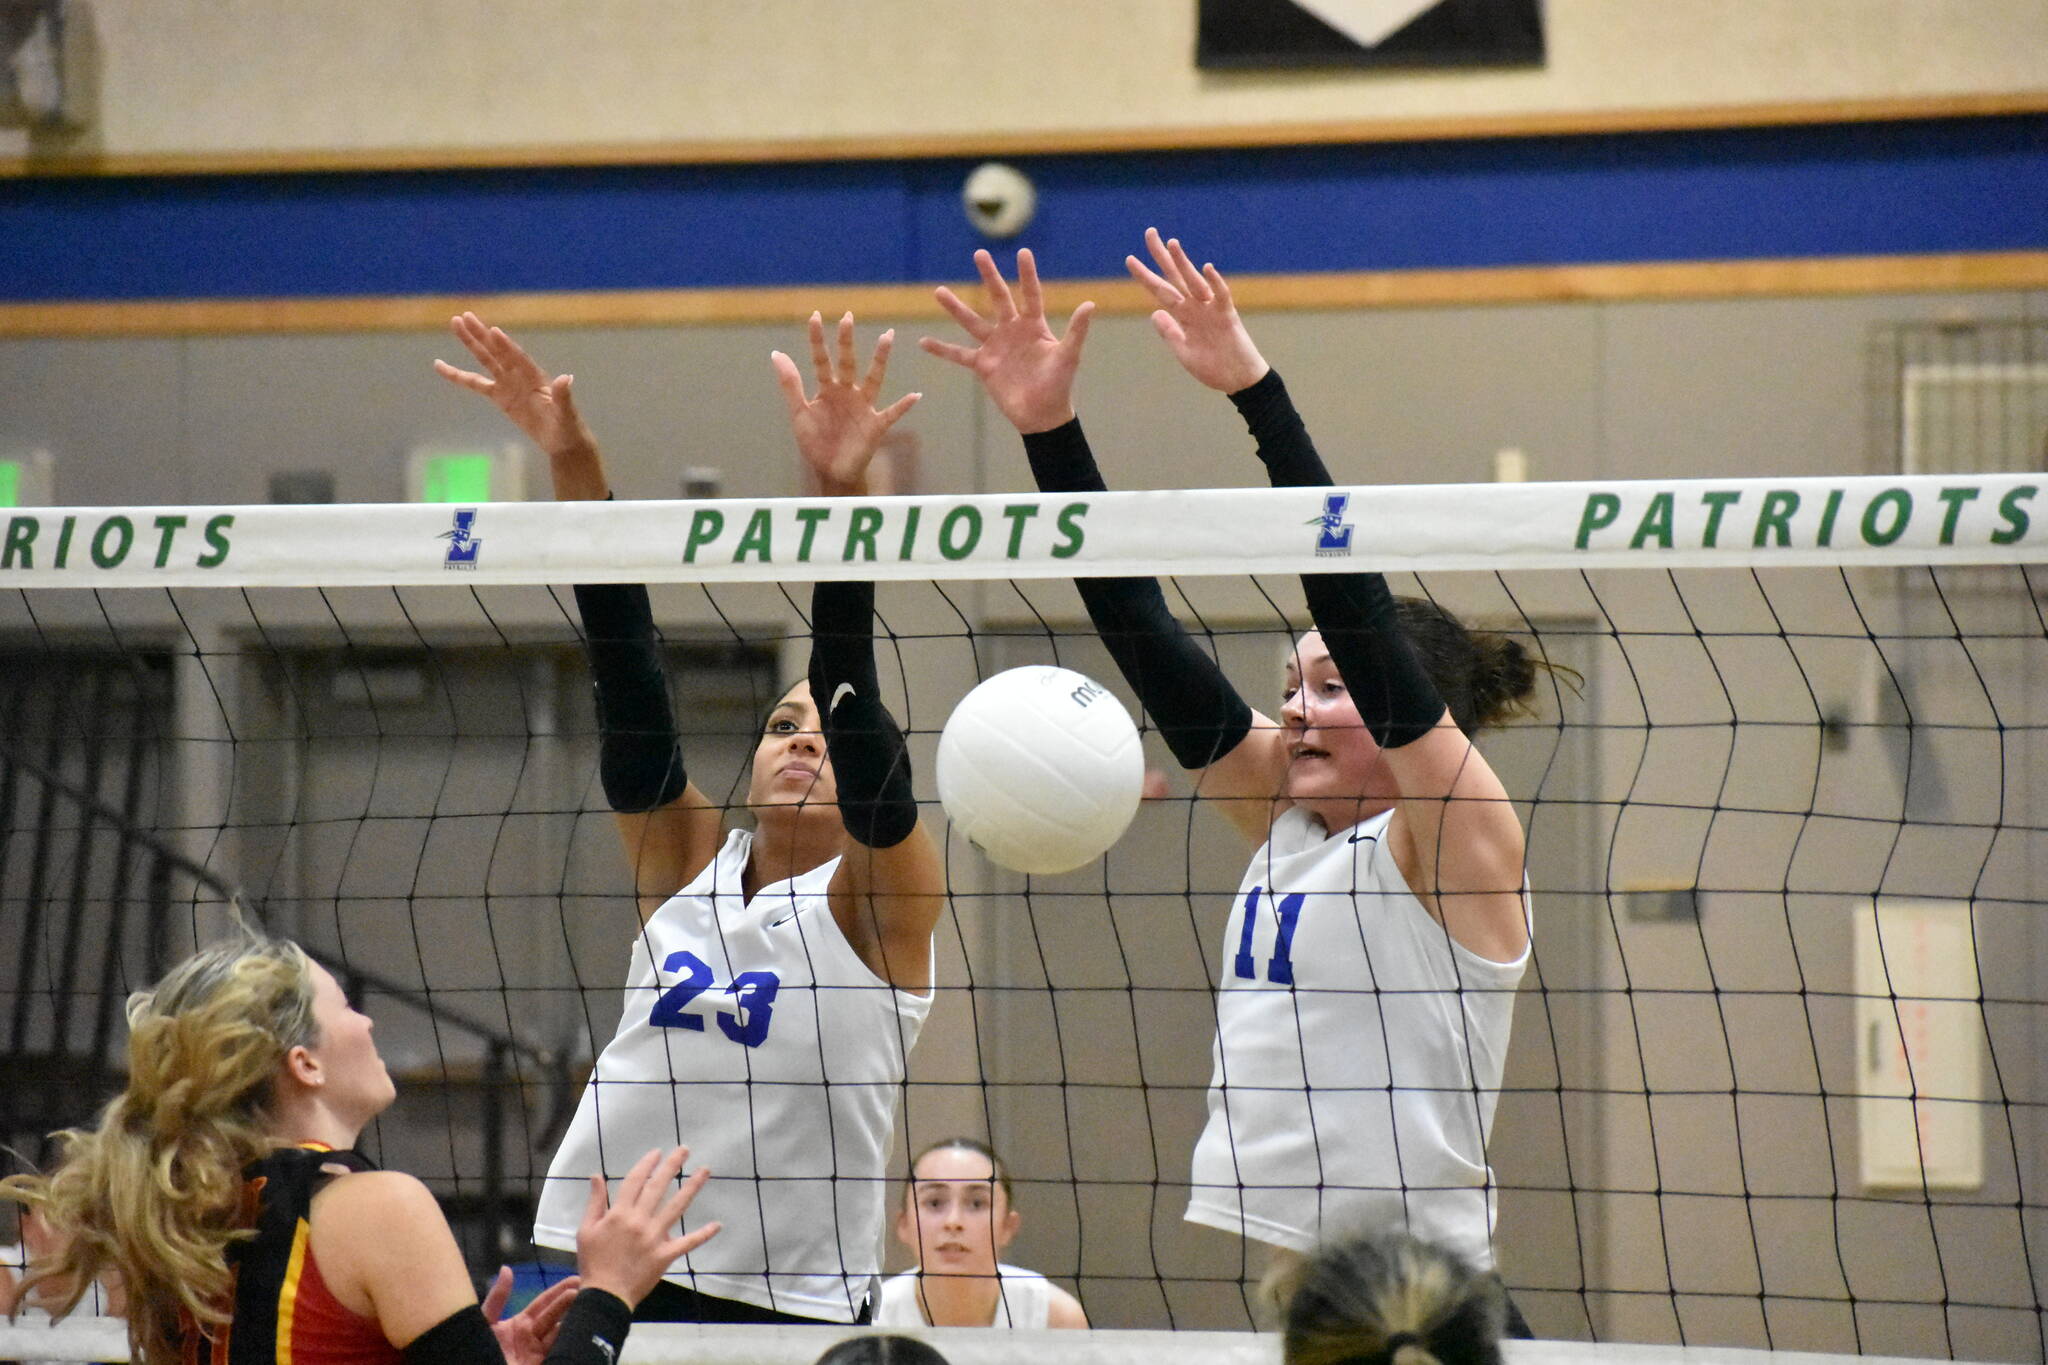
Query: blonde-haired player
{"points": [[222, 1187]]}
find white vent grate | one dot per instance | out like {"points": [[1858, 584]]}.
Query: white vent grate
{"points": [[1973, 417]]}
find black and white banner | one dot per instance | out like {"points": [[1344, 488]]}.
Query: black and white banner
{"points": [[1283, 33]]}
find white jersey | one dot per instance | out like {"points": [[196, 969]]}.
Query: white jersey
{"points": [[1025, 1300], [755, 1034], [1358, 1054]]}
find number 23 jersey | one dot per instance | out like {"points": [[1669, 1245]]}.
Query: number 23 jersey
{"points": [[753, 1033], [1359, 1053]]}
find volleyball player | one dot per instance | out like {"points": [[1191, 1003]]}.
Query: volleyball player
{"points": [[1373, 949], [879, 1349], [781, 974], [222, 1187], [1391, 1299], [958, 1217]]}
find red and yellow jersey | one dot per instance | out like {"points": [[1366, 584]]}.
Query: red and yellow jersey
{"points": [[284, 1312]]}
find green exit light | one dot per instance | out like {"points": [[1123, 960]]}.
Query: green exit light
{"points": [[10, 483], [456, 478]]}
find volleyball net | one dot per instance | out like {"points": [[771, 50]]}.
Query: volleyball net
{"points": [[1775, 1078]]}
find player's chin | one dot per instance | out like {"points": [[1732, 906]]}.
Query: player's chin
{"points": [[811, 803], [1307, 783], [789, 788]]}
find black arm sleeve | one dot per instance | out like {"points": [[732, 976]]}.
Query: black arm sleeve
{"points": [[870, 762], [640, 758], [461, 1338], [1354, 611], [593, 1330], [1199, 714]]}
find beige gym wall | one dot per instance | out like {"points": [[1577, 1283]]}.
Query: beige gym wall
{"points": [[230, 78]]}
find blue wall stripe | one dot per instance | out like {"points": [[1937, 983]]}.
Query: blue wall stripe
{"points": [[1961, 185]]}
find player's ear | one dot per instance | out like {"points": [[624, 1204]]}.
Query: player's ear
{"points": [[906, 1223], [302, 1066], [1006, 1229]]}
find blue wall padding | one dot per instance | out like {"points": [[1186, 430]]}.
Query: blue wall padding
{"points": [[1961, 185]]}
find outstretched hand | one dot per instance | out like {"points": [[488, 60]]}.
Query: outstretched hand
{"points": [[1197, 317], [541, 407], [839, 431], [527, 1337], [625, 1248], [1027, 371]]}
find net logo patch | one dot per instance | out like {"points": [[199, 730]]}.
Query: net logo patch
{"points": [[463, 541], [1333, 533]]}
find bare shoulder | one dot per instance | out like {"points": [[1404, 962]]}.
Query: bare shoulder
{"points": [[1063, 1309], [378, 1204], [387, 1252], [670, 846], [1245, 783]]}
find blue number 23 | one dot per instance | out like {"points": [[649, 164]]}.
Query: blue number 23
{"points": [[753, 996]]}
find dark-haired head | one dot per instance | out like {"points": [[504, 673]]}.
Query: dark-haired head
{"points": [[791, 772], [882, 1350], [957, 1216], [1483, 677], [965, 1144], [1392, 1299]]}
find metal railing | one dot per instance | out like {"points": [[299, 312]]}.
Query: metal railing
{"points": [[59, 1071]]}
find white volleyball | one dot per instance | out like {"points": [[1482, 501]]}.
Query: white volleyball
{"points": [[999, 199], [1041, 769]]}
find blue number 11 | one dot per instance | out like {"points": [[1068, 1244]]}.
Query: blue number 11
{"points": [[1280, 968]]}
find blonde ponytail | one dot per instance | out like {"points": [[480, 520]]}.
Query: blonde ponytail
{"points": [[154, 1193], [1391, 1299]]}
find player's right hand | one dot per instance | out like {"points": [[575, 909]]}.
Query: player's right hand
{"points": [[1197, 317], [1026, 370]]}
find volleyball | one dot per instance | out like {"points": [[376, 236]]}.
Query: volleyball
{"points": [[1040, 768]]}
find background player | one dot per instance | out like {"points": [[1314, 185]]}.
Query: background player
{"points": [[250, 1080], [957, 1217], [781, 974], [1373, 949], [1391, 1299]]}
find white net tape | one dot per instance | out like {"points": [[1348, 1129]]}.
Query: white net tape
{"points": [[105, 1339], [1730, 523]]}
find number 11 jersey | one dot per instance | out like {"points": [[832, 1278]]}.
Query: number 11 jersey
{"points": [[753, 1033], [1359, 1053]]}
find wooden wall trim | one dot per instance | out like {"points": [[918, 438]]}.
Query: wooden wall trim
{"points": [[1336, 290], [1048, 142]]}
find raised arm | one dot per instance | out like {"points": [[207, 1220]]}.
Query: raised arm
{"points": [[387, 1252], [670, 830], [1237, 754], [1456, 836], [890, 886]]}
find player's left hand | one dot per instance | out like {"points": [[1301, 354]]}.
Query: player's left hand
{"points": [[838, 431], [527, 1337], [1197, 317]]}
